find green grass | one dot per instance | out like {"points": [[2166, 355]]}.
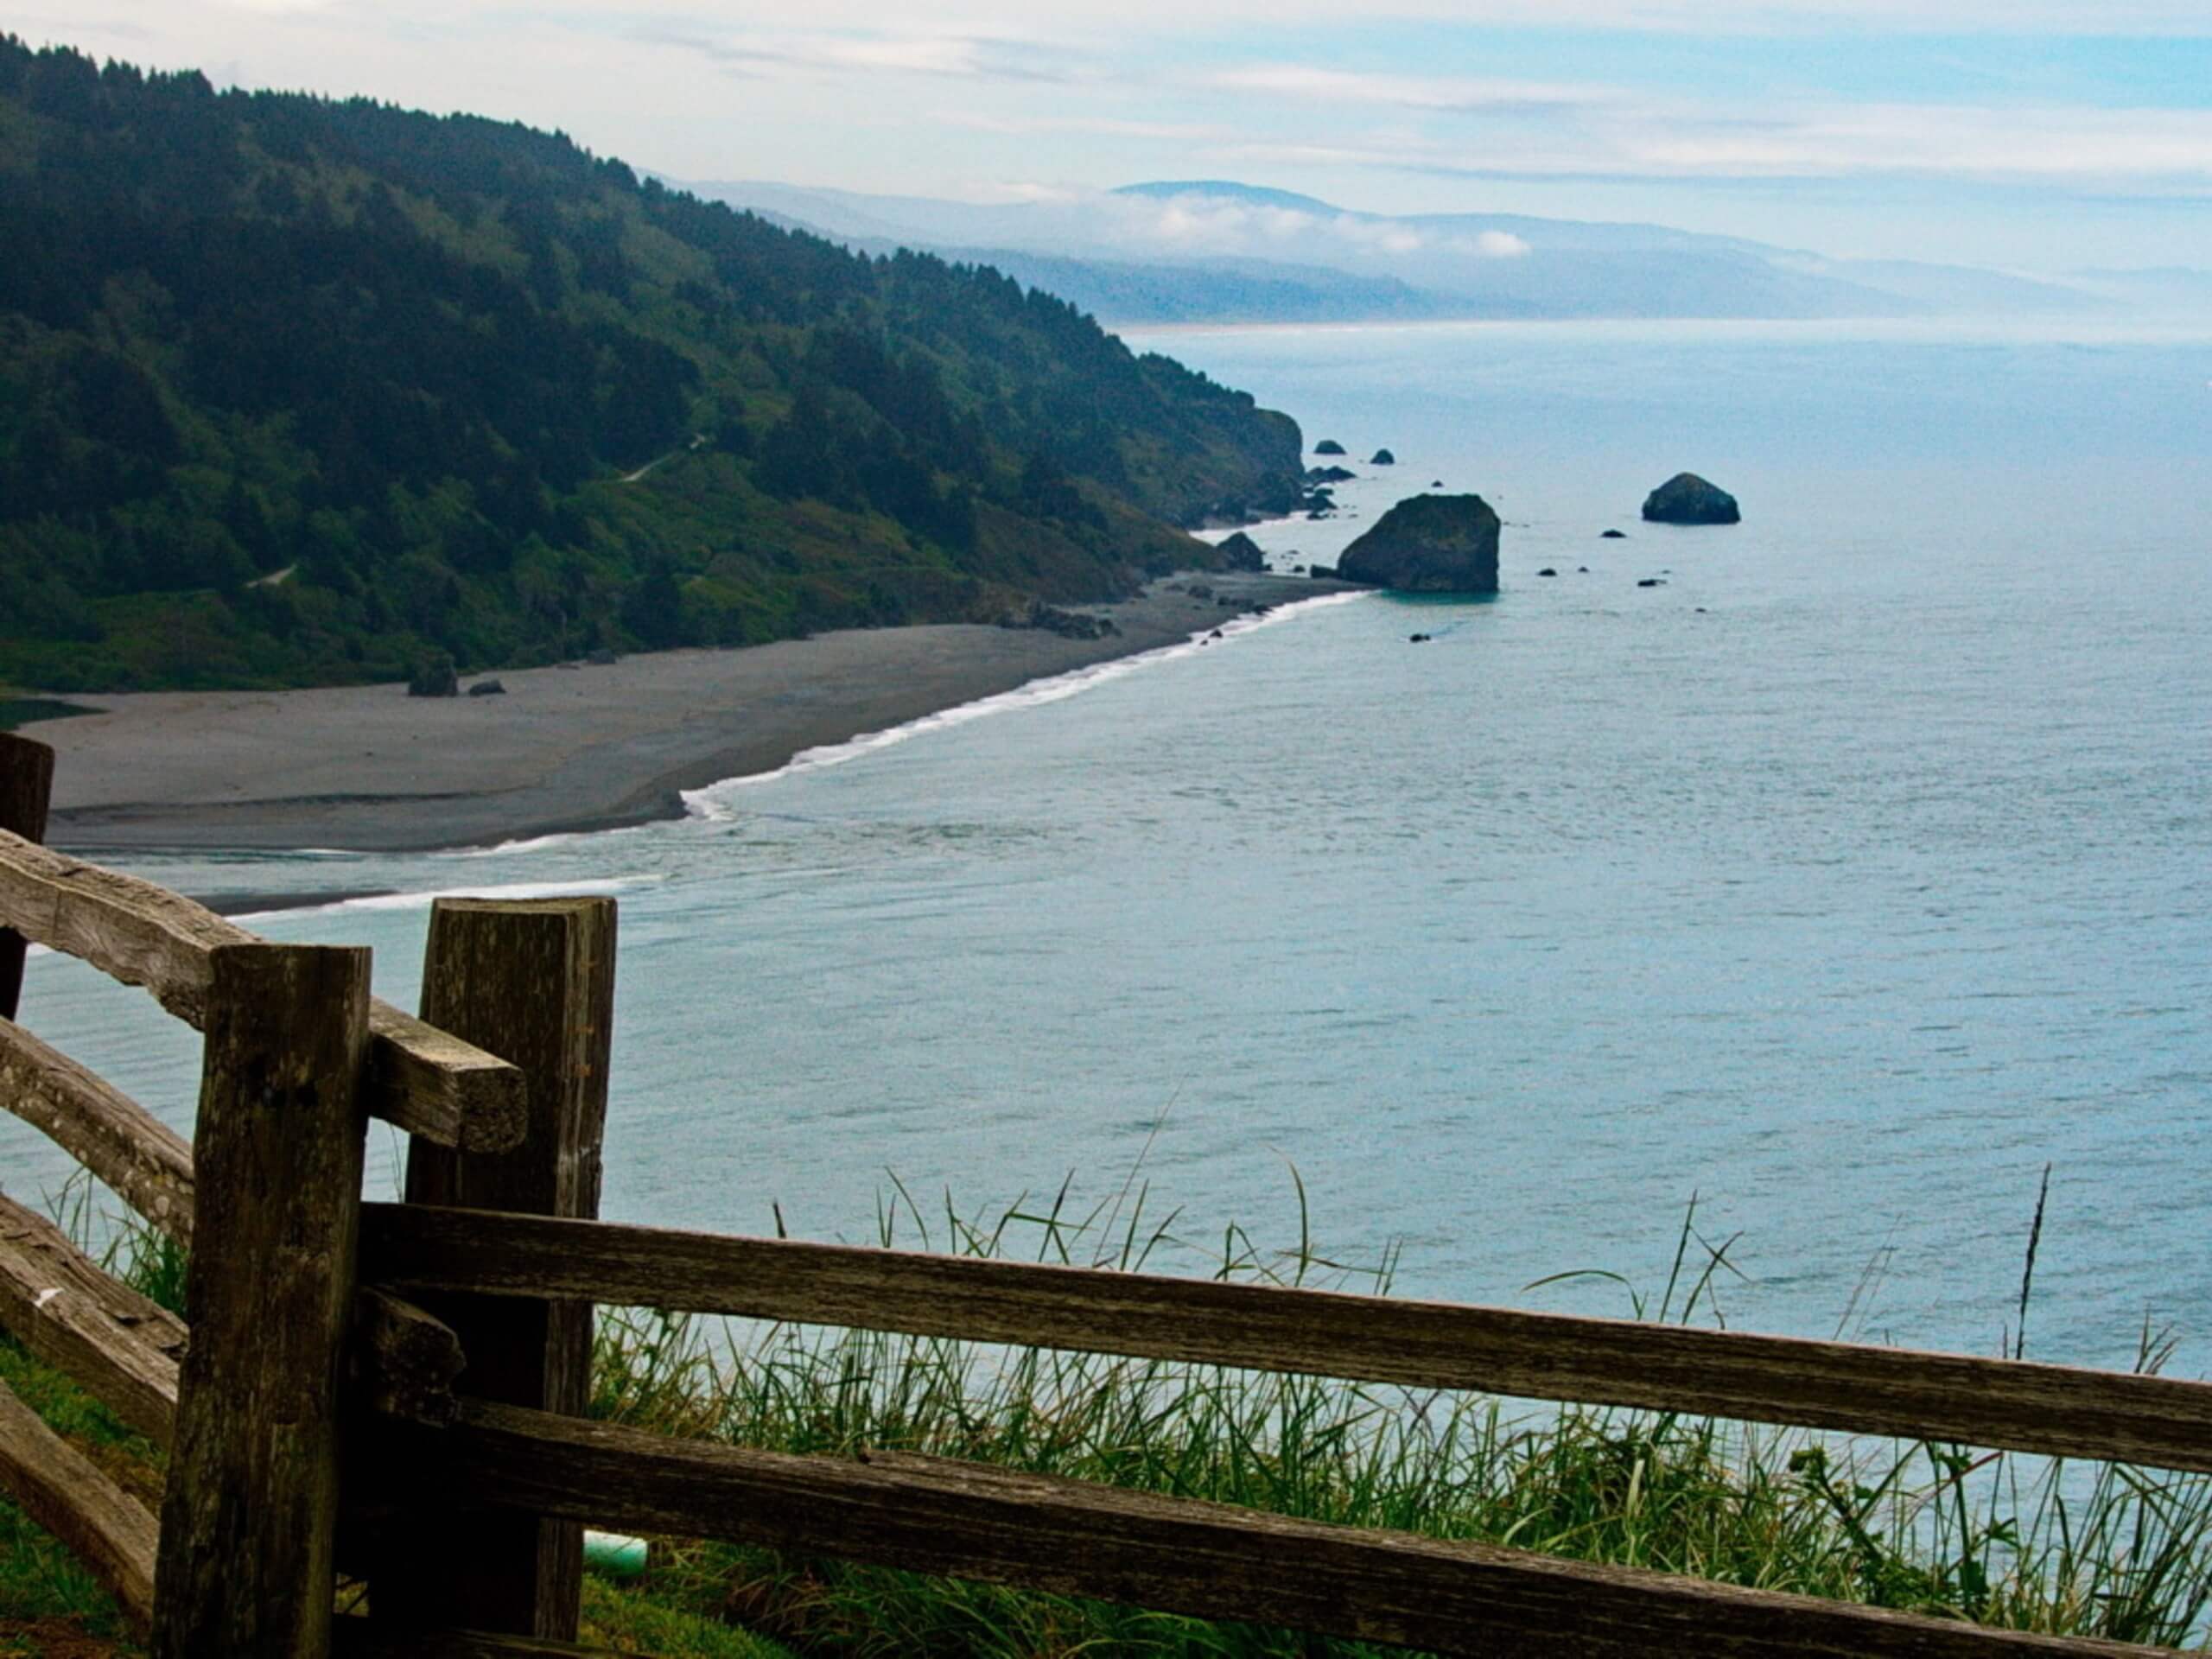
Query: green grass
{"points": [[2022, 1543], [2018, 1542]]}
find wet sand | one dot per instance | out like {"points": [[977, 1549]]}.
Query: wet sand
{"points": [[369, 768]]}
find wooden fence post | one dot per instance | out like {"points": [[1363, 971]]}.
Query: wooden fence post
{"points": [[533, 983], [26, 790], [249, 1518]]}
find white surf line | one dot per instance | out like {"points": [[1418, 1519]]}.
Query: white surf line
{"points": [[423, 898], [707, 805]]}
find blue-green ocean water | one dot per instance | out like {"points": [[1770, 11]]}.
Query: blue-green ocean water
{"points": [[1844, 880]]}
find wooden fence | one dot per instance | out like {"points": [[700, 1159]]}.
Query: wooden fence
{"points": [[396, 1389]]}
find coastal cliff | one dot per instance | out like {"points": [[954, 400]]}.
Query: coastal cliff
{"points": [[303, 392]]}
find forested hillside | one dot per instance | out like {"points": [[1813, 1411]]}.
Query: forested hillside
{"points": [[294, 391]]}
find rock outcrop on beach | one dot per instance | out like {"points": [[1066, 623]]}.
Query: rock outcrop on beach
{"points": [[1243, 553], [1329, 475], [434, 677], [1428, 544], [1686, 499]]}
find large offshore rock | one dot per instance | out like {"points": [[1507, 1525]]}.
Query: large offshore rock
{"points": [[1686, 499], [1428, 544]]}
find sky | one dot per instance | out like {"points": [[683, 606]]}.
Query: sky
{"points": [[2039, 135]]}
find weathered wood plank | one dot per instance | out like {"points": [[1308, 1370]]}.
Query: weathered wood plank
{"points": [[120, 1347], [143, 1162], [1176, 1555], [402, 1361], [64, 1491], [424, 1080], [2056, 1409], [60, 1258], [363, 1638], [534, 984], [26, 789], [125, 1350], [250, 1521], [432, 1084]]}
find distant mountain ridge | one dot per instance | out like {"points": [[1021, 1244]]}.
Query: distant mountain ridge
{"points": [[1184, 251]]}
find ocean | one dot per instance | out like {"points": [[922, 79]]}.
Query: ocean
{"points": [[1838, 885]]}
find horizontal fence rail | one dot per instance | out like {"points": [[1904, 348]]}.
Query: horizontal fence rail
{"points": [[69, 1495], [418, 1078], [2009, 1404], [1181, 1555], [127, 1149], [123, 1348], [362, 1638]]}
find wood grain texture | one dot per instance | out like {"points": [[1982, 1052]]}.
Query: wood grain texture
{"points": [[120, 1347], [249, 1523], [2011, 1405], [138, 1157], [362, 1638], [424, 1080], [26, 790], [1179, 1555], [401, 1361], [534, 984], [63, 1490], [33, 1234]]}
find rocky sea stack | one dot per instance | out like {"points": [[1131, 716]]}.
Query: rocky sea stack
{"points": [[1686, 499], [1428, 544], [1243, 553], [1328, 447]]}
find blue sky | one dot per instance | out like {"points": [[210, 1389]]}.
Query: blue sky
{"points": [[2038, 134]]}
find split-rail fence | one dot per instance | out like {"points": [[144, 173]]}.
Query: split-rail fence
{"points": [[396, 1391]]}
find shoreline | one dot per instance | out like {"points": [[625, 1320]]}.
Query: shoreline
{"points": [[568, 749]]}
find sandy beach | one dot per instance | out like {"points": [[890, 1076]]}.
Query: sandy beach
{"points": [[573, 747]]}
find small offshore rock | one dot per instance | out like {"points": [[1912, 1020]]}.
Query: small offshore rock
{"points": [[1649, 582], [1329, 475], [1428, 544], [487, 688], [1383, 458], [1614, 536], [1686, 499], [1328, 447], [1418, 638]]}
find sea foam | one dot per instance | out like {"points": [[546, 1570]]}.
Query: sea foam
{"points": [[717, 803]]}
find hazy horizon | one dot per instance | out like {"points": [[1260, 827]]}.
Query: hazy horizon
{"points": [[2047, 137]]}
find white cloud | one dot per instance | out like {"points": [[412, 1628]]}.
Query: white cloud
{"points": [[2072, 147], [1466, 95]]}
